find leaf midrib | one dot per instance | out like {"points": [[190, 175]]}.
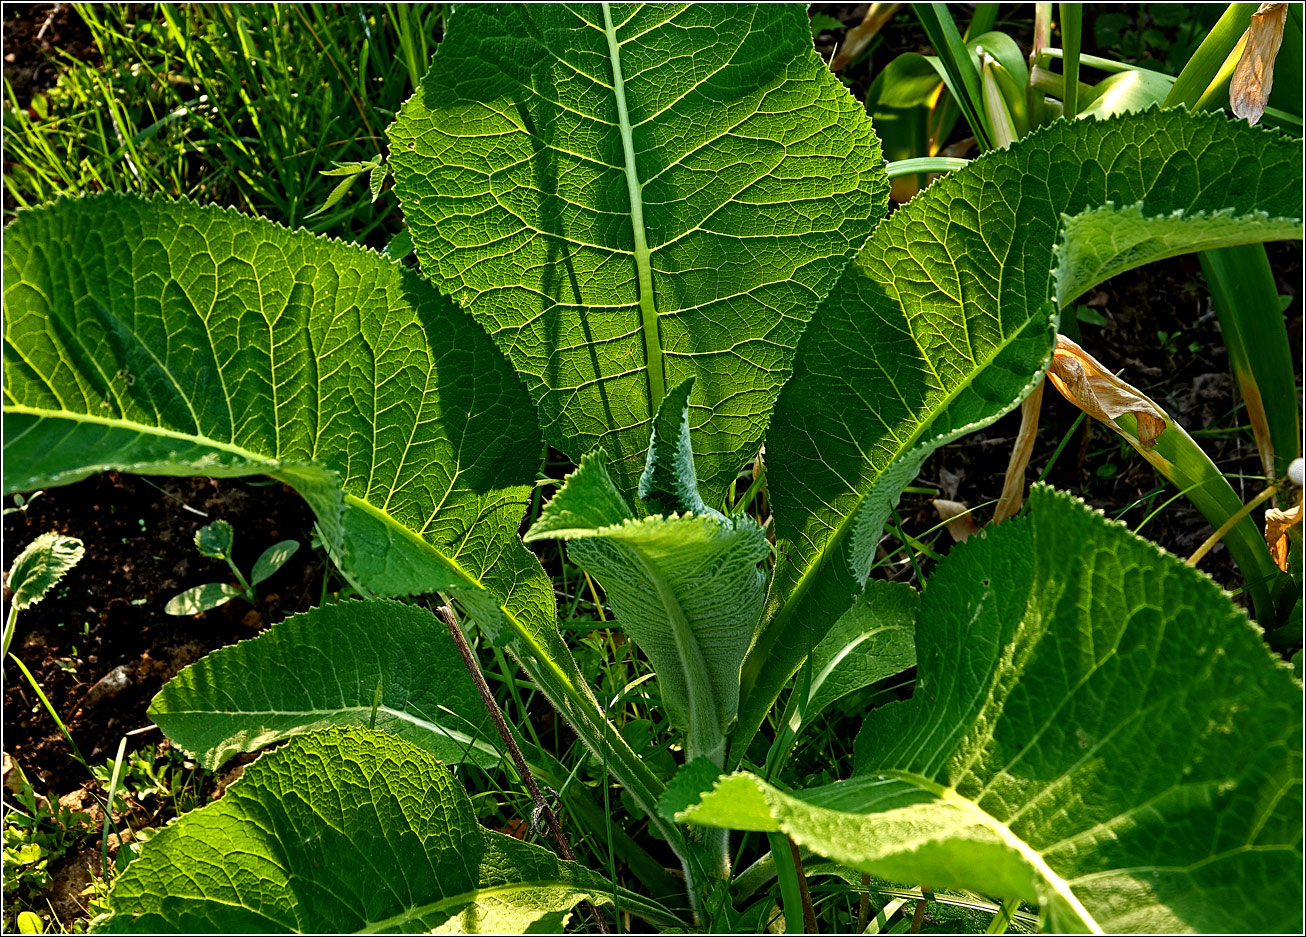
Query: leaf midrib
{"points": [[1027, 852], [435, 728], [810, 574], [470, 897], [647, 310]]}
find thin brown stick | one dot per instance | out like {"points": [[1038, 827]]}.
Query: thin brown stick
{"points": [[864, 905], [542, 808], [809, 913], [918, 917]]}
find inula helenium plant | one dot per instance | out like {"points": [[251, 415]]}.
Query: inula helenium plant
{"points": [[657, 238]]}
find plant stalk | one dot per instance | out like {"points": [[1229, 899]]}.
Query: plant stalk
{"points": [[542, 808], [1232, 522]]}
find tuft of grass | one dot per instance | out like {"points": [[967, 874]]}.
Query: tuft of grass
{"points": [[235, 104]]}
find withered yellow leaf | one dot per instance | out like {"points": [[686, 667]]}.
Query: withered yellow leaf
{"points": [[1083, 381], [1277, 525], [1252, 80]]}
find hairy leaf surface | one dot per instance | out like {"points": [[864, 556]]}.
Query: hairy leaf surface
{"points": [[629, 195], [343, 831], [329, 666], [944, 322], [1095, 727], [687, 589], [1101, 242], [164, 338]]}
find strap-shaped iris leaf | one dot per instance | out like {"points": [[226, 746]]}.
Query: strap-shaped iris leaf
{"points": [[945, 321], [1095, 727], [345, 831], [628, 195]]}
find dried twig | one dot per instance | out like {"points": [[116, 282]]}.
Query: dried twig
{"points": [[542, 812]]}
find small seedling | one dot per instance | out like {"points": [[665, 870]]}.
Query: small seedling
{"points": [[21, 503], [36, 571], [215, 541]]}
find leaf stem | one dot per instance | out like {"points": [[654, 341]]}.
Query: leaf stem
{"points": [[542, 808], [647, 310]]}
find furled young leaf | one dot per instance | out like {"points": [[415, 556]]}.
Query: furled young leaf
{"points": [[627, 196], [343, 831], [943, 323], [164, 338], [687, 589], [1101, 242], [325, 667], [1095, 727], [40, 566]]}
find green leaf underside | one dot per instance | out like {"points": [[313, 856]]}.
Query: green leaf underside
{"points": [[1101, 242], [686, 589], [188, 340], [1095, 727], [346, 831], [323, 668], [617, 235], [873, 640], [943, 323], [40, 566]]}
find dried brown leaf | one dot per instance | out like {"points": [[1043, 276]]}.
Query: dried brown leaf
{"points": [[857, 38], [1083, 381], [1013, 486], [1277, 525], [956, 517], [1252, 80]]}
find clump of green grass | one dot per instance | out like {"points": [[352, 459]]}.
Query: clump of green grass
{"points": [[243, 105]]}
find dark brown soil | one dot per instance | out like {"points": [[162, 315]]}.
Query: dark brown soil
{"points": [[108, 612], [33, 34]]}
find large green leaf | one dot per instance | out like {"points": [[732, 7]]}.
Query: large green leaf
{"points": [[1095, 727], [943, 323], [166, 338], [629, 195], [686, 589], [348, 830], [374, 663]]}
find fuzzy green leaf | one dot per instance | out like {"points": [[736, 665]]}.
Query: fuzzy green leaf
{"points": [[628, 196], [1095, 727], [945, 322], [348, 831], [686, 589], [40, 566], [323, 668], [669, 484], [1101, 242]]}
